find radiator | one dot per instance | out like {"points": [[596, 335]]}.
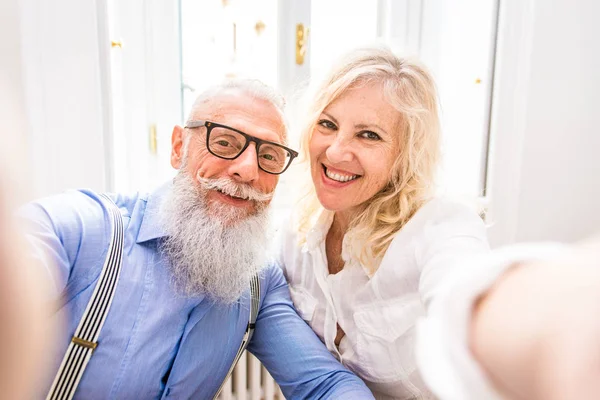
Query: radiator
{"points": [[250, 381]]}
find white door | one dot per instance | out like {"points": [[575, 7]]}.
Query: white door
{"points": [[145, 85]]}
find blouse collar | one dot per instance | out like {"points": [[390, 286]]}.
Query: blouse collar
{"points": [[317, 234]]}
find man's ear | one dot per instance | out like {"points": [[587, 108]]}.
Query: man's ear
{"points": [[177, 146]]}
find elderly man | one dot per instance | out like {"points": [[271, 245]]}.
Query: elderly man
{"points": [[192, 286]]}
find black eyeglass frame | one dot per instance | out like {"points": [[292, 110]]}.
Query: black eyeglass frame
{"points": [[209, 125]]}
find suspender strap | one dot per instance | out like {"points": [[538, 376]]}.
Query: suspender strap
{"points": [[254, 307], [86, 335]]}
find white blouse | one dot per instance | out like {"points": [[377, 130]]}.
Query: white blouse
{"points": [[378, 312]]}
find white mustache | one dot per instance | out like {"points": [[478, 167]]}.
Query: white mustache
{"points": [[234, 189]]}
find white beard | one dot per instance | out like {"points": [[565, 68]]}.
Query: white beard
{"points": [[215, 255]]}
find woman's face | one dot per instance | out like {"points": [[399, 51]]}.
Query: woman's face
{"points": [[353, 147]]}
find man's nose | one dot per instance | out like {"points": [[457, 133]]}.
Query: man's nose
{"points": [[245, 167]]}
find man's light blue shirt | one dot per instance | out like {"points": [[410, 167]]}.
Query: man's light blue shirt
{"points": [[156, 343]]}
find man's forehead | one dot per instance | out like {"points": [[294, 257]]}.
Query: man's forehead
{"points": [[242, 111]]}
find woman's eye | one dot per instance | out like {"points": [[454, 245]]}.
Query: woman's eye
{"points": [[327, 124], [370, 135]]}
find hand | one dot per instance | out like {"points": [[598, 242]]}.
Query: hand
{"points": [[537, 330]]}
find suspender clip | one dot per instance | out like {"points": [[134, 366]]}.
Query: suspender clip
{"points": [[84, 343]]}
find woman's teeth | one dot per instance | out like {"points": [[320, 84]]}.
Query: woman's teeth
{"points": [[339, 177]]}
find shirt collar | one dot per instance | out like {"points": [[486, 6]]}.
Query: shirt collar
{"points": [[151, 227], [318, 230], [318, 233], [350, 244]]}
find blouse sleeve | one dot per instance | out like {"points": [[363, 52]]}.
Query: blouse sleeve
{"points": [[457, 268]]}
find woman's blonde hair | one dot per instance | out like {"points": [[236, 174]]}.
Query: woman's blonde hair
{"points": [[410, 89]]}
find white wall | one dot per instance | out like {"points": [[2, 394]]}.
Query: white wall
{"points": [[560, 183], [63, 77], [13, 130], [545, 172]]}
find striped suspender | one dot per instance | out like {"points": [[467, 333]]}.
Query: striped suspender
{"points": [[254, 306], [85, 339], [86, 335]]}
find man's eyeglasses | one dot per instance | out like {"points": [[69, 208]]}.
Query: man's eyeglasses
{"points": [[229, 143]]}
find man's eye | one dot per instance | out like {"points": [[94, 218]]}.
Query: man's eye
{"points": [[223, 143], [370, 135], [269, 157], [327, 124]]}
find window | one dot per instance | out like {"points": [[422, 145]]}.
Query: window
{"points": [[226, 39]]}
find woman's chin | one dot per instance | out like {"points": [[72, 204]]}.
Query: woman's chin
{"points": [[331, 203]]}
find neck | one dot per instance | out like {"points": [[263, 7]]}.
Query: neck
{"points": [[341, 222]]}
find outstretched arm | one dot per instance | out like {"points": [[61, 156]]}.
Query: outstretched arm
{"points": [[536, 332], [26, 334], [522, 322]]}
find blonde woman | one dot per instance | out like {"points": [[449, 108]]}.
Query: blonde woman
{"points": [[371, 245]]}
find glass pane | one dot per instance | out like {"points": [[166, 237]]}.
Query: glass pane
{"points": [[338, 26], [458, 46], [221, 39]]}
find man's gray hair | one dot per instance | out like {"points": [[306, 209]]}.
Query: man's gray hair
{"points": [[252, 87]]}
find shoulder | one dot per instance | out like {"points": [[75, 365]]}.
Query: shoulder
{"points": [[84, 202], [66, 211], [271, 277], [441, 210], [440, 222], [443, 217], [128, 202], [75, 212]]}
